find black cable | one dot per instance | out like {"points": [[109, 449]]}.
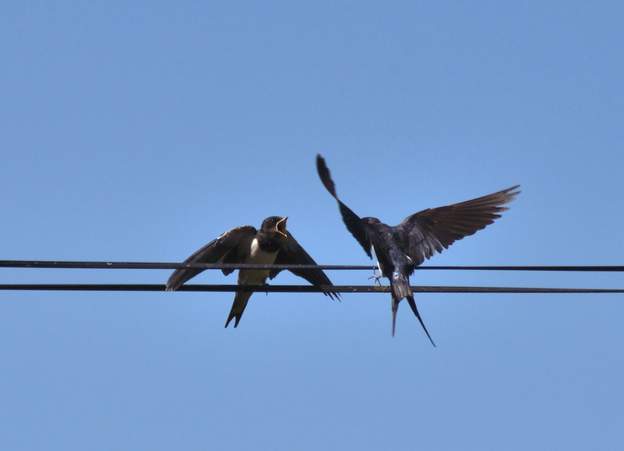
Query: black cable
{"points": [[174, 265], [301, 288]]}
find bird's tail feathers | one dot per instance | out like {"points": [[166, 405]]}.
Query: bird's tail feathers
{"points": [[238, 307], [400, 286], [395, 309], [412, 304], [235, 316]]}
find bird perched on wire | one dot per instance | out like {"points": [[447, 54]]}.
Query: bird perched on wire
{"points": [[399, 249], [272, 244]]}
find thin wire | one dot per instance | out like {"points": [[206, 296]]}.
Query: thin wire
{"points": [[61, 264], [303, 288]]}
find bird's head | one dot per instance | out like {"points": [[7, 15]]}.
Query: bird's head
{"points": [[275, 224], [370, 220]]}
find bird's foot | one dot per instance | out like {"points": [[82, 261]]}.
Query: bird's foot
{"points": [[376, 277], [265, 285]]}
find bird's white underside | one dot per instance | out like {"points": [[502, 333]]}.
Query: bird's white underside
{"points": [[260, 257]]}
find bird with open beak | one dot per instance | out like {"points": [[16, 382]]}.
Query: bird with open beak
{"points": [[272, 244]]}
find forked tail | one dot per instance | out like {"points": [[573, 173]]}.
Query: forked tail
{"points": [[401, 289], [412, 304], [238, 307]]}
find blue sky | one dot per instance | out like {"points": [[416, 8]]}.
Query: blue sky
{"points": [[141, 132]]}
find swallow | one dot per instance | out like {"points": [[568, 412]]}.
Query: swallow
{"points": [[272, 244], [400, 249]]}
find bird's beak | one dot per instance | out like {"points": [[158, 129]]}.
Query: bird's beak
{"points": [[280, 227]]}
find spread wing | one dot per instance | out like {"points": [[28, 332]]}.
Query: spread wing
{"points": [[230, 247], [291, 253], [353, 222], [435, 229]]}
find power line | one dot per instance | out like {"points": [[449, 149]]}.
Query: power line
{"points": [[303, 288], [68, 264]]}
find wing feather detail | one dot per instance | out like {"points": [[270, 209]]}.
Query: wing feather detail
{"points": [[292, 253], [435, 229], [230, 247]]}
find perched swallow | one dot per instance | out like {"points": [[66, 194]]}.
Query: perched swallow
{"points": [[401, 248], [272, 244]]}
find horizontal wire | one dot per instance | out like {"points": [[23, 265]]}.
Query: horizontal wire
{"points": [[302, 288], [60, 264]]}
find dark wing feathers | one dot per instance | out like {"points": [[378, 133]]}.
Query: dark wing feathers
{"points": [[292, 253], [352, 221], [229, 248], [435, 229]]}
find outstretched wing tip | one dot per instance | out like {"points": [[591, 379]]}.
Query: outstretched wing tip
{"points": [[512, 192], [325, 175], [434, 229], [351, 220], [174, 281]]}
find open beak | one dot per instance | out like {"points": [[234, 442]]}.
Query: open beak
{"points": [[280, 227]]}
